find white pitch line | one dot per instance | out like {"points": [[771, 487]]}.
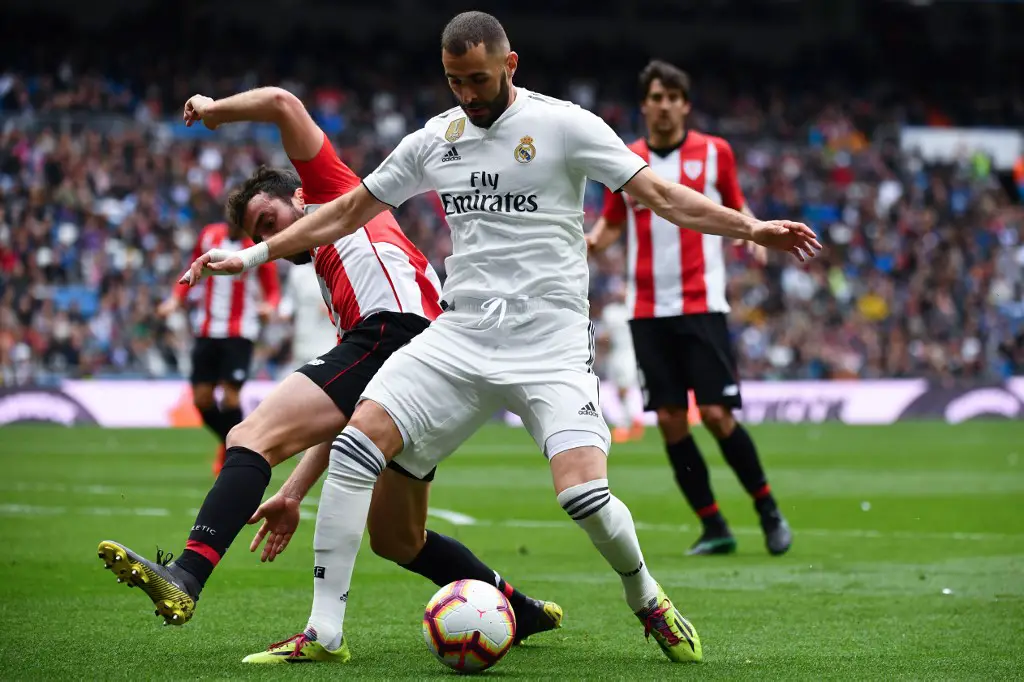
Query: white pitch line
{"points": [[460, 519]]}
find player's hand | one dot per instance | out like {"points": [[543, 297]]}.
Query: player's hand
{"points": [[591, 239], [786, 235], [167, 308], [196, 109], [213, 262], [265, 312], [757, 252], [280, 516]]}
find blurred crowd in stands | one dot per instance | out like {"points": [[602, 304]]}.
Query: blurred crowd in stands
{"points": [[102, 192]]}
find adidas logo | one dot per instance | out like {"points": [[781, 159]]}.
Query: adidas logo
{"points": [[451, 155], [588, 410]]}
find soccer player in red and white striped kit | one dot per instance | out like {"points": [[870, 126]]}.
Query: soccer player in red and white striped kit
{"points": [[676, 281], [227, 320]]}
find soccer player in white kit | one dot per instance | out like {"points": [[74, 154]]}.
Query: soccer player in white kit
{"points": [[510, 167]]}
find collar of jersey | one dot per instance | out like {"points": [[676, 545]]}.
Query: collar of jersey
{"points": [[516, 105]]}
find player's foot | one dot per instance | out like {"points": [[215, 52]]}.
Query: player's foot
{"points": [[218, 459], [636, 432], [174, 591], [673, 633], [547, 615], [620, 434], [713, 542], [300, 649], [778, 537]]}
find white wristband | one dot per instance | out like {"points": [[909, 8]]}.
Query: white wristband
{"points": [[254, 256]]}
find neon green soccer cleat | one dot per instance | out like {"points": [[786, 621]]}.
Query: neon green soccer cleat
{"points": [[300, 649], [673, 633]]}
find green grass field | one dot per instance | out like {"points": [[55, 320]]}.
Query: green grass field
{"points": [[908, 561]]}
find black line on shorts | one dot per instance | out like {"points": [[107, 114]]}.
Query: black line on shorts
{"points": [[365, 355]]}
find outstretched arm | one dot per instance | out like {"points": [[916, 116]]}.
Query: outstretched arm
{"points": [[683, 206], [300, 135], [332, 221]]}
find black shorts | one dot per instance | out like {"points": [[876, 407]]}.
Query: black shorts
{"points": [[345, 370], [221, 361], [687, 352]]}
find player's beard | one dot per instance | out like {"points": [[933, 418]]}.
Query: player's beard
{"points": [[493, 108]]}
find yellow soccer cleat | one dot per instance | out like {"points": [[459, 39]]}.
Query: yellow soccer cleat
{"points": [[174, 591], [673, 633], [300, 649], [546, 616]]}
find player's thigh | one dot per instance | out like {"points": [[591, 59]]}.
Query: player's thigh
{"points": [[205, 360], [711, 363], [295, 416], [555, 390], [397, 522], [433, 391], [660, 369], [233, 361]]}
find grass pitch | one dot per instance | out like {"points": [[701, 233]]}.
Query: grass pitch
{"points": [[908, 561]]}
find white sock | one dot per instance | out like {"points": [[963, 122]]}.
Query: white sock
{"points": [[340, 521], [610, 526]]}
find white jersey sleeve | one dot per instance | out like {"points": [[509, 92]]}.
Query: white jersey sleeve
{"points": [[400, 176], [595, 150]]}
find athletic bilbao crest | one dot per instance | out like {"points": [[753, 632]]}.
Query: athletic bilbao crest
{"points": [[693, 168]]}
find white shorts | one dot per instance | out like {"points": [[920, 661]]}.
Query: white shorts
{"points": [[533, 359]]}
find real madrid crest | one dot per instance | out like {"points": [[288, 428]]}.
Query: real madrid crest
{"points": [[455, 129], [525, 152]]}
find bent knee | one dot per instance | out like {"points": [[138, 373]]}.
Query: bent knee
{"points": [[400, 547], [376, 423], [253, 435], [674, 423], [718, 420]]}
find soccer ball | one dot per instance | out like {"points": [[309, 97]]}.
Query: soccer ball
{"points": [[469, 625]]}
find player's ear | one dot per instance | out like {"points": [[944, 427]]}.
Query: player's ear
{"points": [[298, 196], [511, 62]]}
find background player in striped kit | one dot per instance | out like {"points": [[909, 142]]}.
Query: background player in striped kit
{"points": [[678, 304], [226, 320]]}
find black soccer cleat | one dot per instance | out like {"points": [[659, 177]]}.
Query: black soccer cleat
{"points": [[546, 615], [173, 591], [713, 542], [778, 537]]}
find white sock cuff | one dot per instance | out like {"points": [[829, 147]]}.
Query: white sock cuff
{"points": [[352, 446], [584, 500]]}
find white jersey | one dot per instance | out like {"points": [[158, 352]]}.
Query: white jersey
{"points": [[512, 193], [302, 301]]}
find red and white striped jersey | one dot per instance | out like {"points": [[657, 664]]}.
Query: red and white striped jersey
{"points": [[229, 306], [674, 271], [372, 270]]}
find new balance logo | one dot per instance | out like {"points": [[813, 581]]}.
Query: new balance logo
{"points": [[731, 390], [588, 410], [451, 155], [315, 362]]}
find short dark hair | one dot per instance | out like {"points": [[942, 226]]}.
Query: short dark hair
{"points": [[671, 77], [275, 182], [469, 29]]}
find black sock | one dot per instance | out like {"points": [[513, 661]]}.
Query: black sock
{"points": [[232, 500], [230, 417], [741, 454], [213, 418], [444, 560], [695, 482]]}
